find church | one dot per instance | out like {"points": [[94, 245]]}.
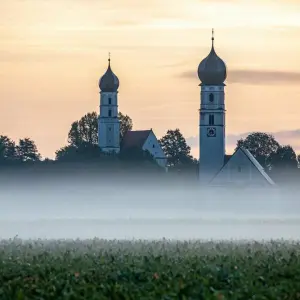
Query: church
{"points": [[109, 125], [215, 167]]}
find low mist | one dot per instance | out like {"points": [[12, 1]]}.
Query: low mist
{"points": [[142, 207]]}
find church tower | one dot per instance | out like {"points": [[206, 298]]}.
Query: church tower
{"points": [[108, 122], [212, 74]]}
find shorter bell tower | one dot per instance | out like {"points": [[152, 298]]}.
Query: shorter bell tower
{"points": [[108, 122]]}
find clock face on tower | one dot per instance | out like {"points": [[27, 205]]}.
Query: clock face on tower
{"points": [[211, 132]]}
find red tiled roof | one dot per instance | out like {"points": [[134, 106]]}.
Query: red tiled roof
{"points": [[135, 138]]}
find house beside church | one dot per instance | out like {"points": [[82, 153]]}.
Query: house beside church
{"points": [[147, 141], [242, 169], [109, 125]]}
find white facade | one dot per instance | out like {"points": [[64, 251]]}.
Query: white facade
{"points": [[242, 169], [152, 145], [108, 123], [211, 131]]}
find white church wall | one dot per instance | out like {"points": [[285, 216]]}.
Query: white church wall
{"points": [[240, 171], [153, 146]]}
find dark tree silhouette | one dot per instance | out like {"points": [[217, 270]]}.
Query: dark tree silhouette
{"points": [[176, 149], [136, 154], [84, 152], [284, 158], [7, 149], [261, 145], [125, 124], [27, 151], [84, 131]]}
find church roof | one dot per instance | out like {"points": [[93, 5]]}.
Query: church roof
{"points": [[212, 69], [109, 82], [258, 165], [253, 161], [135, 138]]}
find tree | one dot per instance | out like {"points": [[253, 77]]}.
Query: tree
{"points": [[7, 149], [284, 158], [298, 159], [125, 124], [136, 154], [83, 152], [176, 149], [27, 150], [86, 129], [261, 145]]}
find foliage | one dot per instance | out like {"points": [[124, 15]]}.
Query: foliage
{"points": [[125, 124], [85, 130], [284, 158], [261, 145], [27, 151], [136, 154], [83, 152], [176, 149], [7, 149], [100, 269]]}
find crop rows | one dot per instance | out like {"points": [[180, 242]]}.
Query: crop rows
{"points": [[102, 269]]}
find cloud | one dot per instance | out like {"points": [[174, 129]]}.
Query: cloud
{"points": [[255, 77], [284, 137]]}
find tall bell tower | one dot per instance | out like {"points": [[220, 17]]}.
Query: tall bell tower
{"points": [[212, 74]]}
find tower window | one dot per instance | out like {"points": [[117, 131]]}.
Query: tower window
{"points": [[211, 97], [109, 101], [109, 112], [153, 146], [211, 119]]}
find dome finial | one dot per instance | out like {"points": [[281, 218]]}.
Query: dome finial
{"points": [[212, 69], [109, 82]]}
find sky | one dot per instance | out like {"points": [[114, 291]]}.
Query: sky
{"points": [[53, 52]]}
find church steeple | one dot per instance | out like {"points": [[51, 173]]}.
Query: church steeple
{"points": [[108, 122], [109, 82], [212, 69], [212, 73]]}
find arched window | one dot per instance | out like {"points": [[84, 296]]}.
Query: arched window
{"points": [[211, 97], [109, 101], [109, 112], [211, 119]]}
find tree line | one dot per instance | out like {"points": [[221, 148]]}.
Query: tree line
{"points": [[82, 146]]}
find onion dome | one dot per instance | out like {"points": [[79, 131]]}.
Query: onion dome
{"points": [[212, 69], [109, 82]]}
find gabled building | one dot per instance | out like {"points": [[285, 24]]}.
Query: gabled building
{"points": [[242, 169], [145, 140]]}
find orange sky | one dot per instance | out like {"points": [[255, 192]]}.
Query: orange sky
{"points": [[53, 53]]}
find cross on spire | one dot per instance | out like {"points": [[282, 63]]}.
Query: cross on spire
{"points": [[109, 56], [213, 35]]}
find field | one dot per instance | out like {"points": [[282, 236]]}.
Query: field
{"points": [[103, 269]]}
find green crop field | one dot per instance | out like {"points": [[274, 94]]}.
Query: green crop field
{"points": [[102, 269]]}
